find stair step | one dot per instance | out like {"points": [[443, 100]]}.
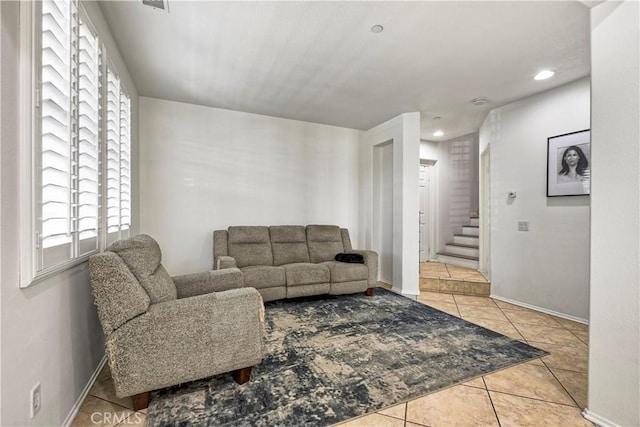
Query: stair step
{"points": [[470, 230], [462, 249], [474, 220], [465, 239], [472, 258], [459, 260]]}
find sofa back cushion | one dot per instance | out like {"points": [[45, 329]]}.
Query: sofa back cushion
{"points": [[250, 246], [142, 256], [325, 241], [118, 294], [289, 244]]}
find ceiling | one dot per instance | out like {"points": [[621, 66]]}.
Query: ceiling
{"points": [[319, 61]]}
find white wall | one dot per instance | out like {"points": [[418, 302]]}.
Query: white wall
{"points": [[428, 150], [404, 133], [614, 333], [548, 266], [205, 168], [457, 185], [383, 203], [50, 331]]}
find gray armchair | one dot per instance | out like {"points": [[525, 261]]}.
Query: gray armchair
{"points": [[162, 331]]}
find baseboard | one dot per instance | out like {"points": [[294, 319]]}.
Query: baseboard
{"points": [[542, 310], [76, 407], [598, 420]]}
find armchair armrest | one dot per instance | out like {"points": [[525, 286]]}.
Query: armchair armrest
{"points": [[223, 261], [190, 285], [371, 261], [186, 339]]}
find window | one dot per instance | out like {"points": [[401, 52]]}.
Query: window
{"points": [[80, 156]]}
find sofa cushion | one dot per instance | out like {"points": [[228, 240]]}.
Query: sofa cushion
{"points": [[119, 296], [262, 276], [325, 241], [306, 274], [142, 256], [344, 272], [250, 245], [289, 244]]}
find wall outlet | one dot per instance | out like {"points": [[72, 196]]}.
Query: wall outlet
{"points": [[523, 225], [36, 400]]}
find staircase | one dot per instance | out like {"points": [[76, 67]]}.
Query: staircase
{"points": [[464, 251]]}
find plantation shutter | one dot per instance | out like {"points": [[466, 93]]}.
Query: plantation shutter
{"points": [[125, 163], [88, 140], [55, 174], [113, 156]]}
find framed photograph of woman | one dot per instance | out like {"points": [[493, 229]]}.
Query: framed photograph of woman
{"points": [[568, 162]]}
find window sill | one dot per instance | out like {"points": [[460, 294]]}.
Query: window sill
{"points": [[43, 275]]}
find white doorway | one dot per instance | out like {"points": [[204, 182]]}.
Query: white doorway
{"points": [[427, 209], [382, 233], [485, 213]]}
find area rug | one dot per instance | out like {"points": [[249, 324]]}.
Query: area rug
{"points": [[331, 358]]}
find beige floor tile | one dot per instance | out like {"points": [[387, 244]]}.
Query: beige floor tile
{"points": [[572, 358], [105, 374], [447, 307], [477, 383], [571, 325], [514, 411], [100, 413], [482, 312], [528, 380], [547, 334], [582, 335], [397, 411], [376, 420], [455, 406], [474, 301], [575, 383], [531, 317], [507, 306], [105, 390], [436, 296], [501, 327]]}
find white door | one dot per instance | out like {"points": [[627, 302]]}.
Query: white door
{"points": [[425, 197]]}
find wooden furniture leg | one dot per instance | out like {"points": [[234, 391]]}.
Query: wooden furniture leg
{"points": [[369, 292], [140, 401], [243, 375]]}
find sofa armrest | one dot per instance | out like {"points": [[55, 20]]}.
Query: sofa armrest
{"points": [[187, 339], [371, 261], [190, 285], [223, 261]]}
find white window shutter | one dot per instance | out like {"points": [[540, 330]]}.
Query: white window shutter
{"points": [[125, 162], [113, 154]]}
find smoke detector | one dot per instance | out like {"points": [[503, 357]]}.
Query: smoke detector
{"points": [[159, 5], [479, 101]]}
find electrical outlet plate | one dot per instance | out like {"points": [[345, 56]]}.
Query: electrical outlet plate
{"points": [[36, 399], [523, 225]]}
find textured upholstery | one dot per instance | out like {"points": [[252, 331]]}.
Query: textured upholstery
{"points": [[289, 244], [250, 246], [190, 285], [345, 272], [325, 241], [142, 256], [118, 294], [262, 276], [187, 339], [306, 274], [300, 261], [371, 261], [214, 327]]}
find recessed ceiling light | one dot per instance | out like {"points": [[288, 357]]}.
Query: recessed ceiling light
{"points": [[436, 118], [480, 101], [438, 133], [543, 75], [377, 28]]}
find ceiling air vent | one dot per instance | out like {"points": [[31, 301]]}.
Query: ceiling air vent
{"points": [[157, 4]]}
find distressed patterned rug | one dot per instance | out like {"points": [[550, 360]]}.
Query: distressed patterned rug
{"points": [[331, 358]]}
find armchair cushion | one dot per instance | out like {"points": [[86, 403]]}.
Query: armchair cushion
{"points": [[289, 244], [189, 285], [343, 272], [119, 296], [325, 241], [250, 245], [142, 255], [306, 274], [263, 276]]}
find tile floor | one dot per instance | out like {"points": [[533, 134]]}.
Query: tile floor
{"points": [[448, 271], [545, 392]]}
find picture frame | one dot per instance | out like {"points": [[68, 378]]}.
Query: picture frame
{"points": [[568, 164]]}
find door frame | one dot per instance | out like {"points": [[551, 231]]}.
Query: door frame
{"points": [[431, 217], [485, 213]]}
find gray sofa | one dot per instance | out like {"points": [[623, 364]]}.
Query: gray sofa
{"points": [[289, 261], [162, 331]]}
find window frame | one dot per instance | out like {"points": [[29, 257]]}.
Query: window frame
{"points": [[31, 146]]}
